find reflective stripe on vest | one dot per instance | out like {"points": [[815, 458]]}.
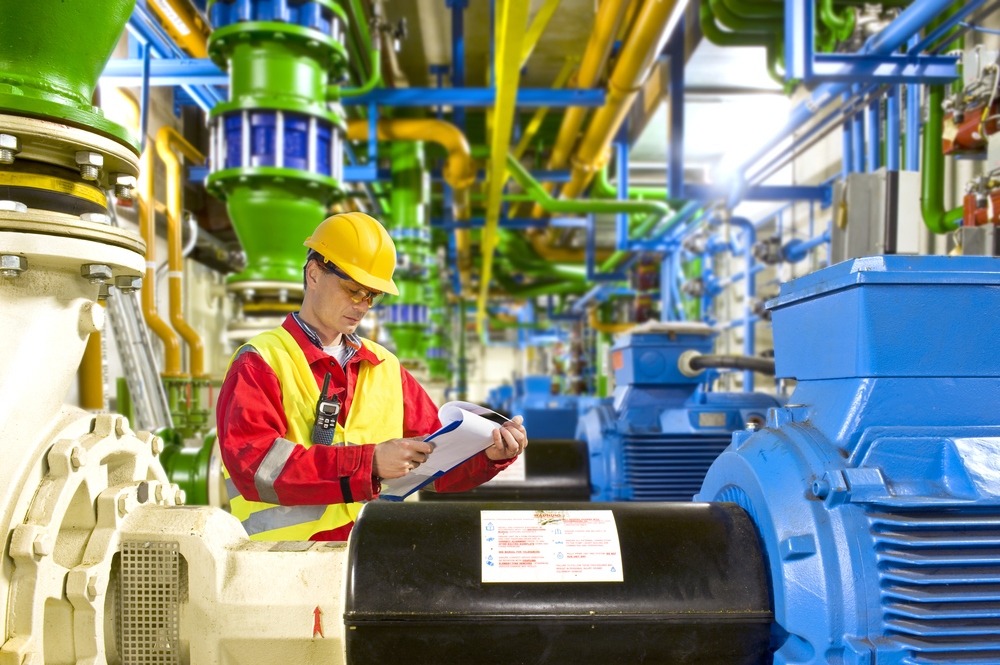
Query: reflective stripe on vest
{"points": [[376, 415]]}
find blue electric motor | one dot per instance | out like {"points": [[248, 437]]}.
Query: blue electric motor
{"points": [[656, 438], [546, 416], [876, 490]]}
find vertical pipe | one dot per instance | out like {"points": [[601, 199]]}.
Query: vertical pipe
{"points": [[458, 56], [749, 321], [874, 137], [892, 135], [90, 377], [847, 159], [621, 219], [166, 140], [463, 371], [675, 168], [858, 136], [666, 293], [913, 124]]}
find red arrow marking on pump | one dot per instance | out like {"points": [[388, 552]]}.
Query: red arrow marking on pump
{"points": [[317, 626]]}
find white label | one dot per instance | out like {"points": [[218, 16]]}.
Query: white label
{"points": [[550, 546], [515, 473]]}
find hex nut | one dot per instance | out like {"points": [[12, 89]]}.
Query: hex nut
{"points": [[156, 445], [123, 505], [13, 206], [96, 217], [42, 545], [78, 457], [12, 265], [96, 272], [123, 184], [128, 284], [87, 158], [158, 494], [179, 495], [8, 142]]}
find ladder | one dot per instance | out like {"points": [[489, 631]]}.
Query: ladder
{"points": [[135, 348]]}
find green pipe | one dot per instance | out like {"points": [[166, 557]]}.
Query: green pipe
{"points": [[335, 92], [932, 187], [534, 290], [841, 25], [718, 37], [742, 24], [603, 189], [655, 209]]}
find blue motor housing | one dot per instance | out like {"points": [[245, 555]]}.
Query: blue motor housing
{"points": [[656, 438], [546, 416], [876, 490]]}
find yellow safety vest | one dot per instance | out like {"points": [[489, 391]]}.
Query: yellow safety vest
{"points": [[376, 415]]}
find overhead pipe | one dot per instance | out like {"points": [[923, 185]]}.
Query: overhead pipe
{"points": [[631, 70], [611, 328], [913, 19], [169, 139], [184, 25], [147, 228], [606, 24]]}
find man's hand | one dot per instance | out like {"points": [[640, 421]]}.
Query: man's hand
{"points": [[397, 457], [508, 441]]}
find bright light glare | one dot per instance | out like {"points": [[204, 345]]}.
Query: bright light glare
{"points": [[752, 121], [120, 107]]}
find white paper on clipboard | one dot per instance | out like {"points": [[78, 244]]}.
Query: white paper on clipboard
{"points": [[466, 430]]}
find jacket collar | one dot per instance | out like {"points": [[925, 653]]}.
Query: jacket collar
{"points": [[312, 346]]}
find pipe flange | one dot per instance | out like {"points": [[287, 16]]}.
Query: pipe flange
{"points": [[99, 159], [67, 226]]}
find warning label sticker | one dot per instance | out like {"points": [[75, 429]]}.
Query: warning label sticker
{"points": [[550, 546]]}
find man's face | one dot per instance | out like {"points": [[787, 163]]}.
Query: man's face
{"points": [[333, 306]]}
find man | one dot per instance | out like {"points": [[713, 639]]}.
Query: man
{"points": [[288, 477]]}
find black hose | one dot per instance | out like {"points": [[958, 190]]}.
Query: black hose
{"points": [[762, 365]]}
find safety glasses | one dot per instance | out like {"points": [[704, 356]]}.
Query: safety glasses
{"points": [[354, 291]]}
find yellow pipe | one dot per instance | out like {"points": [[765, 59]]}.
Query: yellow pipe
{"points": [[606, 24], [630, 72], [536, 120], [167, 140], [147, 228], [511, 20], [182, 22], [608, 327], [90, 377], [538, 25], [459, 172]]}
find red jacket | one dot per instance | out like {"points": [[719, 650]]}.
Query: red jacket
{"points": [[249, 416]]}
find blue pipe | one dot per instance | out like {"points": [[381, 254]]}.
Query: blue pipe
{"points": [[750, 238], [847, 158], [795, 250], [874, 137], [908, 23], [913, 122], [675, 169], [858, 135], [458, 56], [621, 219], [892, 133]]}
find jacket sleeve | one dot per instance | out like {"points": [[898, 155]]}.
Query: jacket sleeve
{"points": [[420, 419], [263, 465]]}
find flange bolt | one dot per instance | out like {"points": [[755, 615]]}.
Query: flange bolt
{"points": [[42, 545], [90, 164], [127, 284], [12, 265], [821, 488], [95, 273], [123, 185], [9, 147]]}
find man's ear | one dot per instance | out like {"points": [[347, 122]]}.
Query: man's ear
{"points": [[312, 275]]}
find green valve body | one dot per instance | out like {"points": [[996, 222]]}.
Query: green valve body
{"points": [[51, 56], [406, 317], [277, 147]]}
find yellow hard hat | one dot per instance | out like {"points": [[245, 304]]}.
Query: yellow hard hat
{"points": [[359, 246]]}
